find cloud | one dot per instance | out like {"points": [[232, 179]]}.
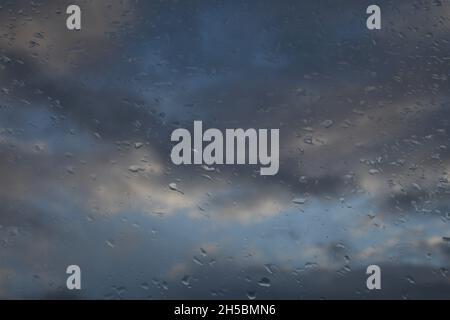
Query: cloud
{"points": [[85, 120]]}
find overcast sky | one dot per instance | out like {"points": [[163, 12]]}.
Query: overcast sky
{"points": [[85, 124]]}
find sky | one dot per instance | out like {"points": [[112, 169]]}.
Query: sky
{"points": [[85, 124]]}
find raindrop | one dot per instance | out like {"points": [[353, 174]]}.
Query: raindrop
{"points": [[327, 123], [309, 265], [164, 285], [197, 261], [39, 35], [110, 244], [270, 268], [173, 186], [186, 280], [136, 168], [299, 200], [251, 295], [264, 282], [308, 140], [410, 280]]}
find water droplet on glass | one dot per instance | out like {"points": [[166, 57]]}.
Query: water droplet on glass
{"points": [[264, 282], [173, 186], [136, 168], [186, 280], [327, 123], [299, 200], [251, 295], [410, 280], [110, 244]]}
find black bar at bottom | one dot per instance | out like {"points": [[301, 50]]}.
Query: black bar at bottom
{"points": [[226, 309]]}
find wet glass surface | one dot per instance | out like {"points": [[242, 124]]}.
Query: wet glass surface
{"points": [[87, 179]]}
